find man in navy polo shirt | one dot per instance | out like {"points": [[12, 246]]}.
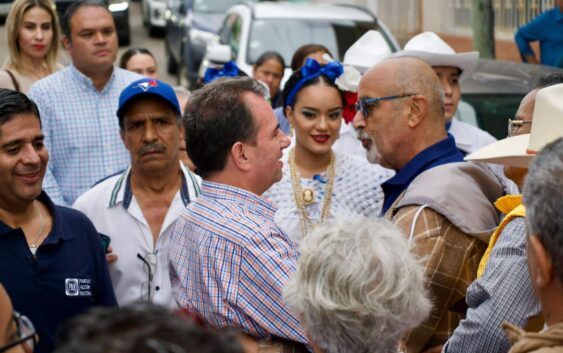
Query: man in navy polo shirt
{"points": [[444, 205], [51, 260]]}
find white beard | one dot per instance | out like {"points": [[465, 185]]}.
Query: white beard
{"points": [[372, 153]]}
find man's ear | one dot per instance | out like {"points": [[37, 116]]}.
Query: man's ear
{"points": [[418, 110], [240, 155], [543, 265], [66, 42]]}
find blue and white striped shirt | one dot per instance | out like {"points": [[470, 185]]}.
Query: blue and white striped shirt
{"points": [[229, 262], [81, 130]]}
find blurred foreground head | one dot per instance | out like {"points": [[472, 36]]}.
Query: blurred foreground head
{"points": [[140, 328], [358, 287], [543, 198]]}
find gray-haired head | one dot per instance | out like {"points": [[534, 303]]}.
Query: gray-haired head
{"points": [[358, 287], [543, 198]]}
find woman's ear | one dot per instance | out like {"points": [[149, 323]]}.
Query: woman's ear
{"points": [[289, 114]]}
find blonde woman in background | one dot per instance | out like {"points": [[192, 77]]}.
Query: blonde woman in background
{"points": [[33, 37]]}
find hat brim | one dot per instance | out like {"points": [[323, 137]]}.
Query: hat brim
{"points": [[511, 151], [466, 62]]}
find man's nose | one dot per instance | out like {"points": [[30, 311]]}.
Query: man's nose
{"points": [[359, 121], [30, 155]]}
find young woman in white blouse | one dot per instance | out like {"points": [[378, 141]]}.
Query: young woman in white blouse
{"points": [[319, 184]]}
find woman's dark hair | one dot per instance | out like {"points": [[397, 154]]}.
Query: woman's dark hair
{"points": [[267, 55], [301, 53], [296, 77], [132, 52]]}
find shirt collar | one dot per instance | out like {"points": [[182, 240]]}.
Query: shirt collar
{"points": [[87, 81], [56, 232], [246, 198], [122, 193], [422, 160]]}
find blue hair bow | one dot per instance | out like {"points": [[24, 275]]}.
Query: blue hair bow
{"points": [[313, 69], [230, 69]]}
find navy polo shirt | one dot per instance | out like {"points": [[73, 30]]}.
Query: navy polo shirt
{"points": [[439, 153], [68, 276]]}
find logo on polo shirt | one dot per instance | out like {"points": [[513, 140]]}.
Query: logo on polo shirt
{"points": [[78, 287]]}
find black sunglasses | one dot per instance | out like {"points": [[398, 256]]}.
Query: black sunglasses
{"points": [[362, 105]]}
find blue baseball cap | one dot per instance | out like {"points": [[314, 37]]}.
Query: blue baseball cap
{"points": [[145, 87]]}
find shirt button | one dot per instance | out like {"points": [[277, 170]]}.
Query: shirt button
{"points": [[157, 288]]}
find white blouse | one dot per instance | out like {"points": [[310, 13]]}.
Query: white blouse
{"points": [[357, 191]]}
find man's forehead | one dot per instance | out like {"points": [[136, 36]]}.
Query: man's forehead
{"points": [[526, 108], [12, 129]]}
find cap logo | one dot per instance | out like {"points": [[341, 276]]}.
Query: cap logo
{"points": [[145, 86]]}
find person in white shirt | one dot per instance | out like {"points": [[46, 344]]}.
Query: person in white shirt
{"points": [[137, 208], [451, 68]]}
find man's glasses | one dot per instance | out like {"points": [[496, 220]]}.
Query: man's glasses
{"points": [[362, 105], [149, 265], [25, 331], [514, 125]]}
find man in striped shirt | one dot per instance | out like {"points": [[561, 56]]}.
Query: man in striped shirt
{"points": [[229, 260]]}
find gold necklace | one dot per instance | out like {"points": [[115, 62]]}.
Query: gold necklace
{"points": [[306, 197], [33, 246]]}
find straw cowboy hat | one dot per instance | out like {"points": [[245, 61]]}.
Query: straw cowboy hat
{"points": [[547, 126], [367, 51], [430, 48]]}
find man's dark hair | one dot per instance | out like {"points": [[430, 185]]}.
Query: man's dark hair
{"points": [[543, 198], [549, 80], [217, 117], [71, 10], [14, 103], [140, 328]]}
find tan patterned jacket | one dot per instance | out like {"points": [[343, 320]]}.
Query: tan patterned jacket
{"points": [[450, 233]]}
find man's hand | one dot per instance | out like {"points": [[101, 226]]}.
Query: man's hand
{"points": [[110, 257], [531, 59], [435, 349]]}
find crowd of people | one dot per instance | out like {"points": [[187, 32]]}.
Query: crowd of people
{"points": [[239, 217]]}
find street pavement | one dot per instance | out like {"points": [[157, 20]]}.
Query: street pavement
{"points": [[139, 38]]}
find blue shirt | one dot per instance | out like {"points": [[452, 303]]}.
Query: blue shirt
{"points": [[439, 153], [81, 130], [68, 276], [547, 28]]}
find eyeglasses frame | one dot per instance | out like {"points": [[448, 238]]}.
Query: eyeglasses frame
{"points": [[362, 104]]}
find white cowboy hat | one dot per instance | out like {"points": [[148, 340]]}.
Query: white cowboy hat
{"points": [[547, 126], [432, 49], [367, 51]]}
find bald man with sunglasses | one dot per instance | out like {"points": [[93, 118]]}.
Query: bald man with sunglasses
{"points": [[444, 205]]}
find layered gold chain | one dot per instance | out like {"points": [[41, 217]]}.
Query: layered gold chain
{"points": [[300, 194]]}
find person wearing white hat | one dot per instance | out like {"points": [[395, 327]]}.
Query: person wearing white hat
{"points": [[543, 198], [443, 204], [503, 290], [451, 68]]}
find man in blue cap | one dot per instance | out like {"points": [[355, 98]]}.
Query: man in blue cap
{"points": [[137, 208]]}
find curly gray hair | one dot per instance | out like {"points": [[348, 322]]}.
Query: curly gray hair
{"points": [[358, 288]]}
